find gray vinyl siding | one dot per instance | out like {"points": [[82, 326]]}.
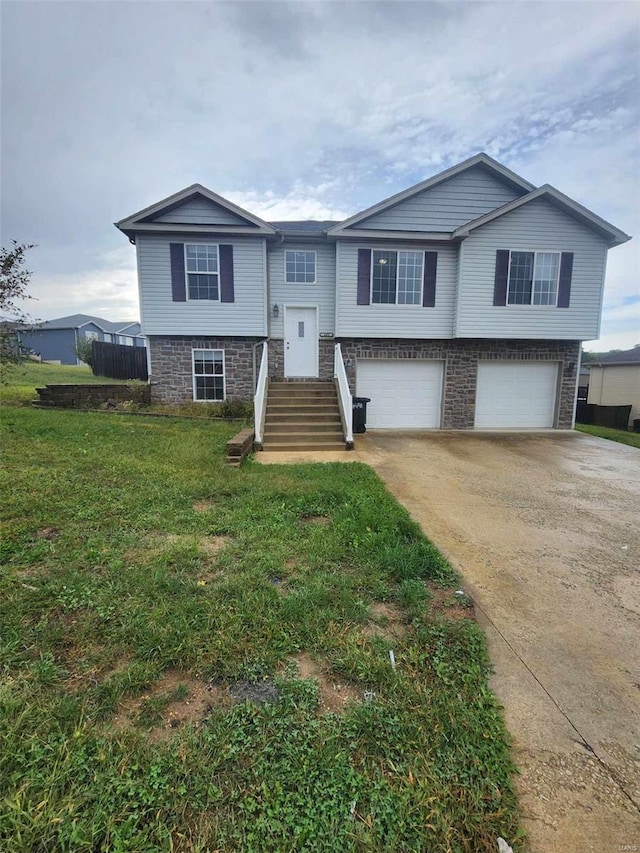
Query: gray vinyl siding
{"points": [[446, 206], [52, 344], [322, 293], [162, 316], [537, 226], [395, 321], [200, 211]]}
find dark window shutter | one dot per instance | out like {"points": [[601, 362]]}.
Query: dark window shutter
{"points": [[226, 274], [429, 289], [178, 284], [564, 284], [364, 276], [501, 277]]}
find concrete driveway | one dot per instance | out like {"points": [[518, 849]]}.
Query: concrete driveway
{"points": [[544, 529]]}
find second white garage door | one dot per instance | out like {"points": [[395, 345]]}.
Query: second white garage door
{"points": [[516, 395], [405, 393]]}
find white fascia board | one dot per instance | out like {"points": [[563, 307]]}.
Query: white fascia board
{"points": [[172, 201], [170, 227], [614, 235], [477, 160], [373, 234]]}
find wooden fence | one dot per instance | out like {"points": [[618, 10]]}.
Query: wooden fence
{"points": [[117, 361]]}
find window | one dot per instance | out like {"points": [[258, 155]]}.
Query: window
{"points": [[202, 271], [396, 277], [300, 267], [208, 374], [533, 278], [92, 336]]}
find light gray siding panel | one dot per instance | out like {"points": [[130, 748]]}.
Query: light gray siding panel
{"points": [[446, 206], [200, 211], [535, 226], [322, 293], [395, 321], [162, 316]]}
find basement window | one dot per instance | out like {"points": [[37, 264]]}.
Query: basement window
{"points": [[208, 375]]}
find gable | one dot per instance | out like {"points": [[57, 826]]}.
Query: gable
{"points": [[446, 206], [200, 211]]}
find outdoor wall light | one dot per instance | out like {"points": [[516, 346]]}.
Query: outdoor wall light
{"points": [[276, 310]]}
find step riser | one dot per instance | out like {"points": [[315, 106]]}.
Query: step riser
{"points": [[273, 409], [274, 448], [286, 429], [302, 416], [294, 417]]}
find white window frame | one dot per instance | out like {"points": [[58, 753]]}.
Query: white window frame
{"points": [[91, 336], [194, 350], [401, 304], [188, 272], [531, 303], [315, 266]]}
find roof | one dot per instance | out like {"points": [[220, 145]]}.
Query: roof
{"points": [[482, 159], [143, 219], [317, 226], [76, 321], [629, 356], [613, 235]]}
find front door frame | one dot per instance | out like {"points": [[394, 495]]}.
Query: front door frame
{"points": [[316, 354]]}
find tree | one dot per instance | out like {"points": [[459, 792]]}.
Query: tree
{"points": [[14, 281], [84, 351]]}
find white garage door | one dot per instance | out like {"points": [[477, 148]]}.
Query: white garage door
{"points": [[513, 395], [405, 393]]}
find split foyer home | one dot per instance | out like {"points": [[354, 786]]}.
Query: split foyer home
{"points": [[459, 303]]}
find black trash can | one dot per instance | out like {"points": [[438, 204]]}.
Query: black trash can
{"points": [[359, 420]]}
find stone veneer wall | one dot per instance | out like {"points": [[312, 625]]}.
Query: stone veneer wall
{"points": [[326, 349], [172, 370], [461, 359]]}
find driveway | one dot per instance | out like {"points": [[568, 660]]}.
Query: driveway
{"points": [[544, 529]]}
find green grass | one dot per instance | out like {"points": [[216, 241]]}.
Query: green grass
{"points": [[623, 436], [109, 582]]}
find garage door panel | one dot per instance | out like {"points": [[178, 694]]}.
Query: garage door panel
{"points": [[405, 393], [516, 395]]}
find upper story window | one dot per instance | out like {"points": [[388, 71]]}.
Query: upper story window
{"points": [[203, 274], [396, 277], [533, 278], [300, 267]]}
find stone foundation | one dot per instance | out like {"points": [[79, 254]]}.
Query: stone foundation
{"points": [[326, 348], [172, 367], [461, 359]]}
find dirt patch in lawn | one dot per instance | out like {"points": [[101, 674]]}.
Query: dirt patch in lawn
{"points": [[334, 695], [158, 543], [322, 520], [177, 699], [47, 533], [446, 604], [386, 621], [204, 506]]}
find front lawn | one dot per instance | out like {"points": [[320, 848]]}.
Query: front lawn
{"points": [[197, 658], [624, 437]]}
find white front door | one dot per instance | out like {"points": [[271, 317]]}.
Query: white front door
{"points": [[300, 342]]}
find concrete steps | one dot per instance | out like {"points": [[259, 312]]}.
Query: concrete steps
{"points": [[302, 416]]}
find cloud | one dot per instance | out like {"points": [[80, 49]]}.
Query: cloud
{"points": [[314, 109]]}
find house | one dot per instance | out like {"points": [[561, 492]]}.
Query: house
{"points": [[56, 340], [440, 304], [615, 381]]}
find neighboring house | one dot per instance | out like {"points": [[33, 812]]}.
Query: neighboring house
{"points": [[615, 381], [56, 340], [461, 302]]}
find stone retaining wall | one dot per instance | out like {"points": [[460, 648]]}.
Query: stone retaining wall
{"points": [[92, 396]]}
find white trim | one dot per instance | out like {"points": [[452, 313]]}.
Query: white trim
{"points": [[345, 399], [479, 159], [187, 273], [315, 265], [535, 253], [547, 192], [417, 304], [315, 306], [193, 373], [260, 397], [130, 222]]}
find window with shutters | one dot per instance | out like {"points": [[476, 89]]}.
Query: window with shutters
{"points": [[396, 277], [208, 375], [533, 278], [202, 271]]}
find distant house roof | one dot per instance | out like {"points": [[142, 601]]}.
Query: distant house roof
{"points": [[76, 321], [629, 356]]}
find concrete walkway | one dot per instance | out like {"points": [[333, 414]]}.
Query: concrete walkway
{"points": [[544, 529]]}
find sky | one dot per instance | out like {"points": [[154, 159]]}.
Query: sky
{"points": [[303, 110]]}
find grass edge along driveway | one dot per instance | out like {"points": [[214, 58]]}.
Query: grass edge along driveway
{"points": [[197, 658]]}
